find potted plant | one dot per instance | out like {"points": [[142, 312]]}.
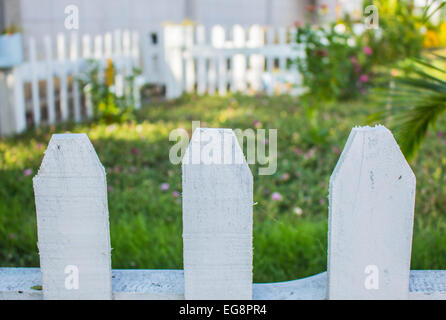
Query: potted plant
{"points": [[11, 50]]}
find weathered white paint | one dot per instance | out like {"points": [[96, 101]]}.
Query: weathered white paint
{"points": [[18, 284], [72, 219], [217, 217], [372, 196]]}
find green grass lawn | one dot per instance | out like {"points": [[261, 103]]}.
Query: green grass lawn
{"points": [[290, 235]]}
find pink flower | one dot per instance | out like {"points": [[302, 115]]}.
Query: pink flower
{"points": [[135, 151], [440, 134], [12, 236], [336, 150], [39, 146], [257, 124], [364, 78], [285, 177], [110, 188], [298, 151], [175, 194], [165, 187], [368, 51], [28, 172], [133, 169], [276, 196]]}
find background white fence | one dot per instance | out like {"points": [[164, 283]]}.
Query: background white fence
{"points": [[45, 88], [371, 210], [183, 58], [224, 59]]}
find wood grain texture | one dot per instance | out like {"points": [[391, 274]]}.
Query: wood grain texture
{"points": [[372, 198], [72, 219], [217, 217]]}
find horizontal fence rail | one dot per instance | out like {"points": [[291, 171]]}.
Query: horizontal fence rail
{"points": [[372, 196]]}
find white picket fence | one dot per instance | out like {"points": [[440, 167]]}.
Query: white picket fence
{"points": [[217, 60], [182, 58], [62, 61], [371, 211]]}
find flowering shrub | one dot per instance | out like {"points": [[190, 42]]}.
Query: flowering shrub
{"points": [[401, 32], [341, 59], [336, 63], [112, 102]]}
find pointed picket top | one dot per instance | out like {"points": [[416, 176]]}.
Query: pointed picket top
{"points": [[70, 154], [372, 198], [239, 34], [72, 221], [218, 36], [256, 36], [217, 217]]}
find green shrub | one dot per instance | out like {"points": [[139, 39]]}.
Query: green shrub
{"points": [[108, 105]]}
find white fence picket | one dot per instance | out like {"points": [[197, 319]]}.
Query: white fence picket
{"points": [[117, 42], [201, 60], [108, 45], [189, 64], [257, 61], [372, 197], [98, 47], [12, 115], [74, 56], [19, 118], [72, 219], [270, 34], [34, 82], [218, 41], [51, 105], [217, 217], [239, 65], [61, 55], [127, 47], [86, 47]]}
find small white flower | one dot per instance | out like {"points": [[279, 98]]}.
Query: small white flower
{"points": [[340, 28], [325, 42], [358, 29], [298, 211], [351, 42]]}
